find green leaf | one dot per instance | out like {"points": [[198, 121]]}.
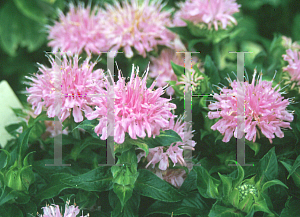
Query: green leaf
{"points": [[165, 138], [89, 126], [18, 30], [178, 69], [4, 163], [222, 211], [142, 145], [190, 183], [183, 32], [7, 194], [99, 179], [226, 186], [292, 208], [211, 70], [178, 92], [207, 185], [130, 209], [54, 187], [268, 167], [31, 10], [192, 205], [149, 185], [85, 199], [23, 142], [123, 175], [234, 197], [10, 210], [271, 183], [124, 193], [246, 204], [80, 146], [256, 4], [12, 129], [254, 146], [261, 205], [240, 177], [295, 166]]}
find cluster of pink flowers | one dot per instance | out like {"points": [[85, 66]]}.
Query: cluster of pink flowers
{"points": [[293, 68], [76, 83], [174, 151], [137, 109], [161, 155], [264, 107], [80, 29], [138, 25], [54, 211], [209, 12]]}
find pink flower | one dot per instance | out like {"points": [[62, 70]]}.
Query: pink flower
{"points": [[80, 29], [162, 154], [137, 109], [210, 12], [139, 25], [161, 68], [54, 211], [264, 108], [72, 83], [294, 64]]}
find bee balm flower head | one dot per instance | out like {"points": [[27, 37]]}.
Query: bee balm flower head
{"points": [[137, 109], [264, 109], [70, 82], [137, 25], [80, 29]]}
